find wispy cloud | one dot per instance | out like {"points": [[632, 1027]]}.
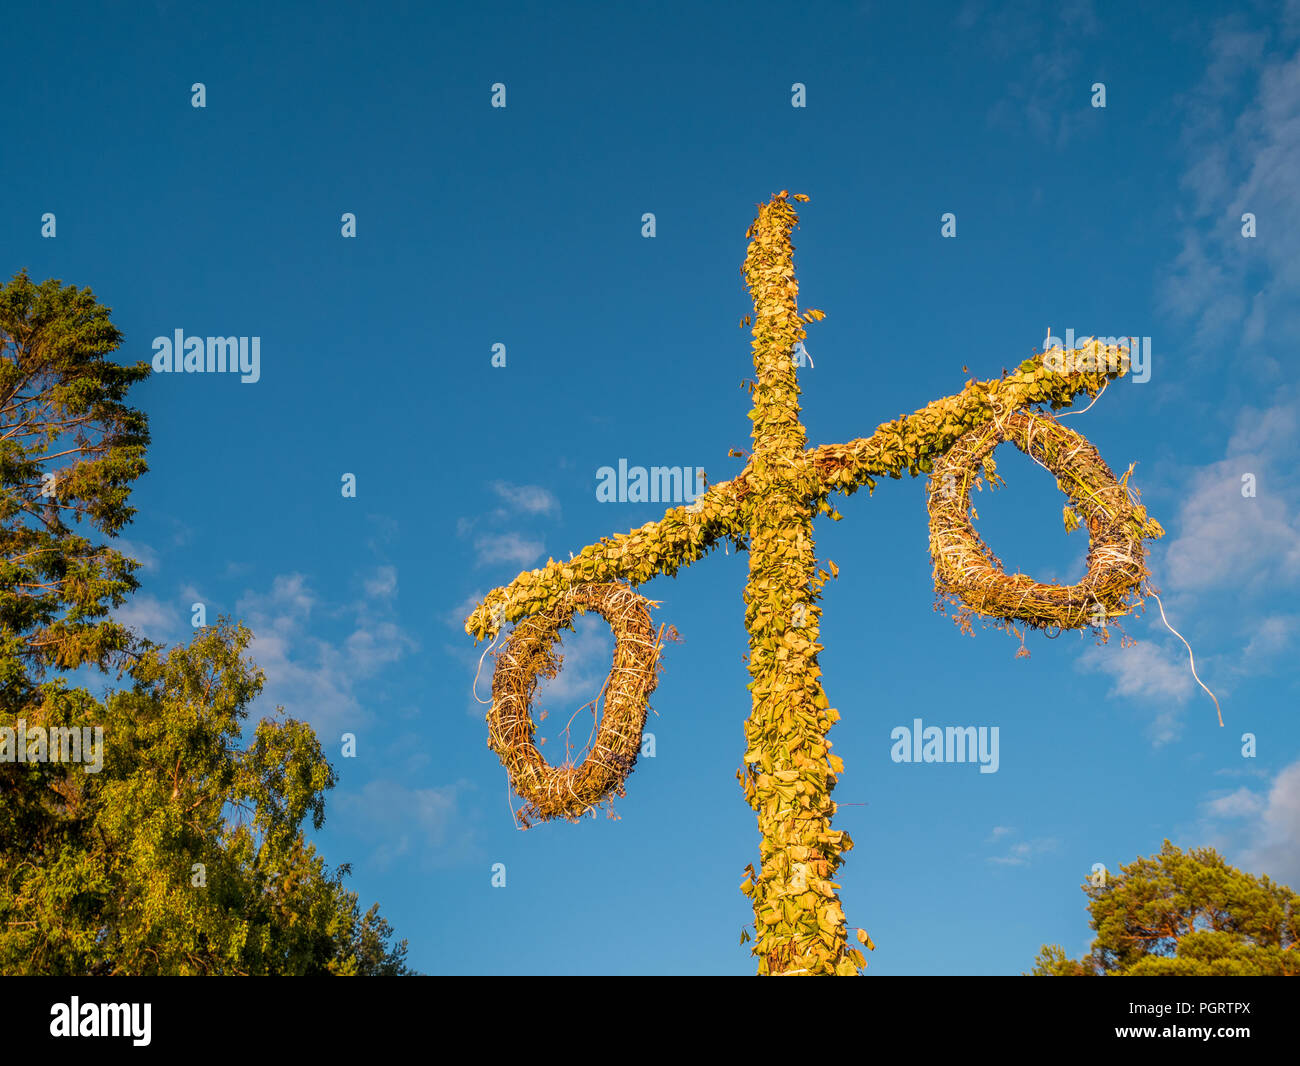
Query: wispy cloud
{"points": [[1260, 830], [143, 554], [1043, 49], [315, 678], [163, 623], [383, 584], [527, 499], [512, 548], [1226, 538], [1023, 852], [498, 545], [1154, 675], [1230, 288], [1261, 433], [425, 826], [1272, 636]]}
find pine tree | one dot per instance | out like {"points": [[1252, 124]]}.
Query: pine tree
{"points": [[1185, 914], [70, 448]]}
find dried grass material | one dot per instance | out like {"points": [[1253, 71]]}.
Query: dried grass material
{"points": [[569, 791], [966, 572]]}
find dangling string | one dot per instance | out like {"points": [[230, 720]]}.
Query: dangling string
{"points": [[1067, 414], [1190, 657], [474, 687]]}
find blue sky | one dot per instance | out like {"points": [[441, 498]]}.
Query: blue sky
{"points": [[522, 226]]}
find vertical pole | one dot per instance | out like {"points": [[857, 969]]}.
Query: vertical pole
{"points": [[789, 772]]}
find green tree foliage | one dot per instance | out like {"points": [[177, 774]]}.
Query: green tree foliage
{"points": [[185, 852], [70, 448], [1185, 914]]}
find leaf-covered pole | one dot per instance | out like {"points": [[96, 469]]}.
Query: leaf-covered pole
{"points": [[788, 775]]}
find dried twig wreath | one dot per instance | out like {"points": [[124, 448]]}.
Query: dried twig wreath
{"points": [[967, 573], [569, 791]]}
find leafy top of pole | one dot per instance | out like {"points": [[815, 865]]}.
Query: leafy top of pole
{"points": [[770, 278]]}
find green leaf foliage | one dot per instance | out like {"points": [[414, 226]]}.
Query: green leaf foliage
{"points": [[181, 848], [184, 853], [1185, 914]]}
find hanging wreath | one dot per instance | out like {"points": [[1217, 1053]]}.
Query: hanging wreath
{"points": [[967, 572], [528, 655]]}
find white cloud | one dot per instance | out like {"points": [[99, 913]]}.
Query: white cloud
{"points": [[1260, 831], [1271, 637], [383, 584], [1236, 290], [1236, 804], [313, 678], [143, 554], [1275, 848], [150, 617], [1259, 433], [1042, 48], [289, 598], [527, 499], [1158, 676], [1024, 851], [376, 643], [1226, 538], [510, 546], [507, 548]]}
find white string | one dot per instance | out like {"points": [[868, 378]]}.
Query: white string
{"points": [[474, 687], [1190, 657], [1067, 414]]}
